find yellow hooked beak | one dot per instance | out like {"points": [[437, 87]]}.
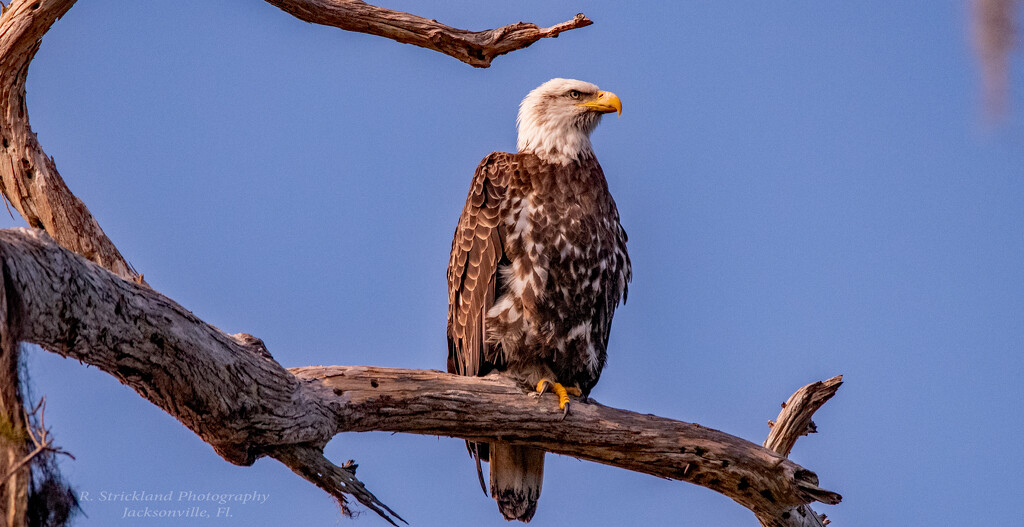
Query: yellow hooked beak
{"points": [[605, 102]]}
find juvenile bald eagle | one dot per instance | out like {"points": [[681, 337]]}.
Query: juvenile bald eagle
{"points": [[537, 268]]}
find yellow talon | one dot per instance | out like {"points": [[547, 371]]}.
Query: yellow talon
{"points": [[561, 391]]}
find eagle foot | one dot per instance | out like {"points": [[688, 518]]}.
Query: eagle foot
{"points": [[562, 392]]}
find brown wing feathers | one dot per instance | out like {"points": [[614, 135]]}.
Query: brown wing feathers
{"points": [[472, 279], [473, 268]]}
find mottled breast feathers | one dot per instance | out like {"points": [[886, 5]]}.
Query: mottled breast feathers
{"points": [[538, 265]]}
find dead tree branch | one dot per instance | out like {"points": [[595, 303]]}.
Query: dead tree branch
{"points": [[225, 388], [230, 392], [793, 422], [476, 48]]}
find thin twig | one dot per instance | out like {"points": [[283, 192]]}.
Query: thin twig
{"points": [[43, 443]]}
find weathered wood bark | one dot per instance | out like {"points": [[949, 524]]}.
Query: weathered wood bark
{"points": [[225, 388], [435, 403], [229, 391], [794, 420]]}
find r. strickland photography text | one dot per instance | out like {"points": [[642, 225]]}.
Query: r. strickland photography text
{"points": [[185, 504]]}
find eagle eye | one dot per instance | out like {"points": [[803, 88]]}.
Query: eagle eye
{"points": [[575, 94]]}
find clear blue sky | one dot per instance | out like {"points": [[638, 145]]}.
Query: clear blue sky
{"points": [[809, 190]]}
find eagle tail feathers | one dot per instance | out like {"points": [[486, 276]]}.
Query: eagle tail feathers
{"points": [[517, 473]]}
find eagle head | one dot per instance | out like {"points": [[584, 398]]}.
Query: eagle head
{"points": [[556, 118]]}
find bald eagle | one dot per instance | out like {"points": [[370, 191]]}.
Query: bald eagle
{"points": [[538, 265]]}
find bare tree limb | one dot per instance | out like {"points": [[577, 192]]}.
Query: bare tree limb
{"points": [[435, 403], [476, 48], [795, 418], [225, 388], [230, 392], [793, 422]]}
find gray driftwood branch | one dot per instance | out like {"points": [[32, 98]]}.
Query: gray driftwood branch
{"points": [[229, 391]]}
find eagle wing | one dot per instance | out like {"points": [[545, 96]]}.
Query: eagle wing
{"points": [[477, 251]]}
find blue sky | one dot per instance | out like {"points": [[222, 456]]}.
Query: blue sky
{"points": [[809, 190]]}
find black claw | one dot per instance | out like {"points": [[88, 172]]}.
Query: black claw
{"points": [[565, 411], [543, 388]]}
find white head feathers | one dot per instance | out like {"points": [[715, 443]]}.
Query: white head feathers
{"points": [[556, 118]]}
